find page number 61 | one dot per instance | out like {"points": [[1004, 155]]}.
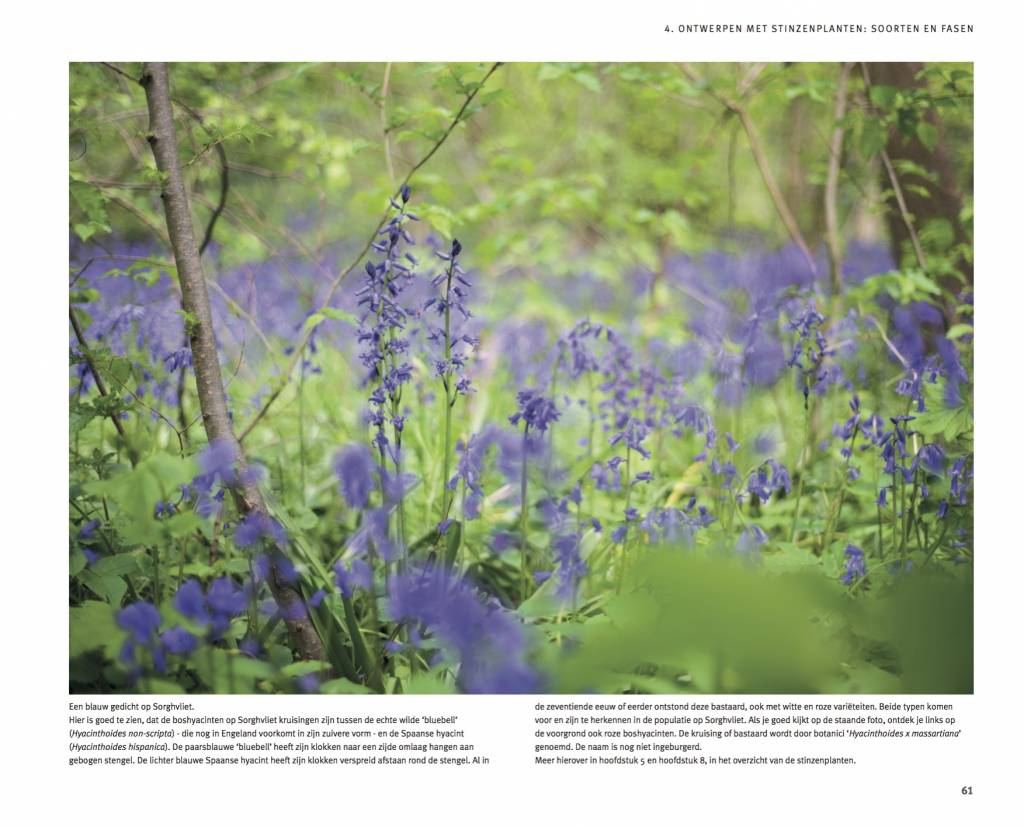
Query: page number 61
{"points": [[967, 791]]}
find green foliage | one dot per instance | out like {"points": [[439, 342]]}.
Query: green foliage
{"points": [[156, 479], [699, 622]]}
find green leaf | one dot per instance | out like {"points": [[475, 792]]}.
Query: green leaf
{"points": [[927, 134], [342, 686], [224, 672], [453, 538], [121, 564], [962, 423], [304, 667], [428, 684], [329, 313], [950, 422], [933, 422], [162, 686], [587, 80], [111, 587], [93, 204], [440, 218], [136, 493], [544, 602], [80, 416], [872, 138], [92, 626]]}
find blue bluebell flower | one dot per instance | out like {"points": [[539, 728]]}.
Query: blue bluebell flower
{"points": [[256, 526], [931, 457], [633, 434], [179, 641], [308, 683], [810, 350], [855, 564], [488, 643], [384, 321], [141, 620], [222, 601], [88, 529], [190, 600], [218, 461], [356, 471], [357, 574], [535, 411], [961, 478], [250, 647], [767, 478], [750, 541]]}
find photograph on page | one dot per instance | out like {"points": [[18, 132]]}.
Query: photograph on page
{"points": [[536, 378]]}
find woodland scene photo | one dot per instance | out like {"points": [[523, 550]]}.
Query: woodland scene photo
{"points": [[520, 378]]}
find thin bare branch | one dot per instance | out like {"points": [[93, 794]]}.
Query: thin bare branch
{"points": [[151, 409], [761, 159], [120, 71], [240, 311], [151, 225], [881, 330], [385, 87], [87, 355]]}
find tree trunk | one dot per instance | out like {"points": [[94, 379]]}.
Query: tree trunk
{"points": [[943, 199], [835, 163], [195, 301]]}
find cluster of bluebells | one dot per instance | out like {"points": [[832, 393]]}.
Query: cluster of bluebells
{"points": [[570, 567], [902, 460], [352, 574], [358, 476], [453, 344], [473, 630], [961, 479], [211, 609], [308, 365], [628, 388], [142, 621], [913, 324], [640, 395], [894, 453], [383, 322], [536, 411], [511, 452], [470, 470], [215, 608], [676, 525], [633, 434], [577, 348], [847, 433], [855, 565], [722, 466], [767, 478], [810, 351], [566, 552], [219, 470], [877, 435], [636, 398], [257, 526], [749, 543]]}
